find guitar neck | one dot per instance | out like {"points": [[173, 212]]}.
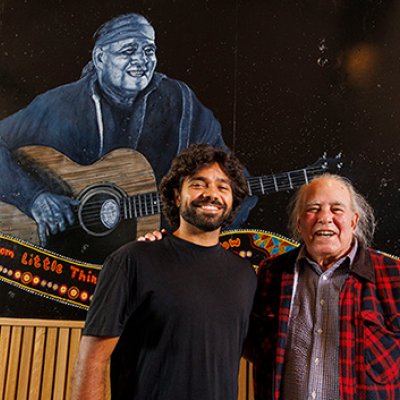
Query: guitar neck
{"points": [[141, 205], [267, 184], [145, 204]]}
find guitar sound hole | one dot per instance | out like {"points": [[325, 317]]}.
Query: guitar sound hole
{"points": [[99, 213], [109, 213]]}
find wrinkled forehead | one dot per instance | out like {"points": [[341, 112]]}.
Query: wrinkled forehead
{"points": [[326, 190]]}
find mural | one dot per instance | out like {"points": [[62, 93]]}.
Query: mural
{"points": [[278, 83], [119, 102]]}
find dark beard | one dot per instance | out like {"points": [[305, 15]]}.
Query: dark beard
{"points": [[204, 222]]}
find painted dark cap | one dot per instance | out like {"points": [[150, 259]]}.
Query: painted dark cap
{"points": [[123, 27]]}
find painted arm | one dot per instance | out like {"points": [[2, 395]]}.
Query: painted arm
{"points": [[51, 212], [19, 185], [90, 376]]}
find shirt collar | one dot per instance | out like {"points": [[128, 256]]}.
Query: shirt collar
{"points": [[360, 263]]}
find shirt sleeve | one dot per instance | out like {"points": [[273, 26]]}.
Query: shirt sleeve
{"points": [[115, 296], [17, 186]]}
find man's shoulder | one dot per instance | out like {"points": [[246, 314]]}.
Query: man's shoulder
{"points": [[386, 256], [165, 82], [65, 91], [377, 266], [236, 258], [136, 247], [383, 259], [58, 104]]}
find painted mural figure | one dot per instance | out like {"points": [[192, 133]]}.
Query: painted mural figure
{"points": [[120, 101], [177, 309]]}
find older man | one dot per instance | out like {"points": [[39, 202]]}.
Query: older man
{"points": [[326, 318], [173, 314], [119, 102]]}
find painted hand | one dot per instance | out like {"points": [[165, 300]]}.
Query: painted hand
{"points": [[52, 214]]}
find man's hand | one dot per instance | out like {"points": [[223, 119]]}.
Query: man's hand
{"points": [[152, 236], [52, 213]]}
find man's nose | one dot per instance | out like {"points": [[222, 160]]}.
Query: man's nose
{"points": [[139, 56], [325, 216], [211, 191]]}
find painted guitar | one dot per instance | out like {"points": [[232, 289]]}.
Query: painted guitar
{"points": [[118, 199]]}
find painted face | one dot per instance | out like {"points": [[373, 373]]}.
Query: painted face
{"points": [[326, 220], [205, 199], [128, 65]]}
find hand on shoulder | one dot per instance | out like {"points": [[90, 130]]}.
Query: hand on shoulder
{"points": [[152, 236]]}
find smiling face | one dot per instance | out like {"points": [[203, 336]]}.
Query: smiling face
{"points": [[127, 66], [205, 199], [326, 220]]}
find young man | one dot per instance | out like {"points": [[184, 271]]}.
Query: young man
{"points": [[172, 314]]}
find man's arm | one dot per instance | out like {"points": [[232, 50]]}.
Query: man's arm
{"points": [[89, 381], [34, 124]]}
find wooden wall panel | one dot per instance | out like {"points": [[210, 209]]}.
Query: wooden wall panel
{"points": [[37, 359]]}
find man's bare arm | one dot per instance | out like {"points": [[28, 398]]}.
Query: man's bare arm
{"points": [[89, 380]]}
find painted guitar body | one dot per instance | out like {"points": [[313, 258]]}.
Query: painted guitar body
{"points": [[100, 186]]}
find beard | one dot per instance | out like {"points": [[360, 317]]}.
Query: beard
{"points": [[202, 220]]}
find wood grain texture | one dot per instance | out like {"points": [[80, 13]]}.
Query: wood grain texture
{"points": [[37, 359], [25, 360], [36, 369]]}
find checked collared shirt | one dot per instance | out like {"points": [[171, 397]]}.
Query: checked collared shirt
{"points": [[369, 318], [312, 363]]}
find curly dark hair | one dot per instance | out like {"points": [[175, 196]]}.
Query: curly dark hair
{"points": [[187, 163]]}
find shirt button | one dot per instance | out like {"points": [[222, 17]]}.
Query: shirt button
{"points": [[314, 394], [319, 331], [325, 278], [322, 302], [316, 361]]}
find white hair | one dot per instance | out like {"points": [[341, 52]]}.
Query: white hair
{"points": [[366, 219]]}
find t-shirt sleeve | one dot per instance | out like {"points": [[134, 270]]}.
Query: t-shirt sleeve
{"points": [[115, 296]]}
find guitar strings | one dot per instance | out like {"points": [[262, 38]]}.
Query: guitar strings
{"points": [[149, 205], [299, 174], [281, 182]]}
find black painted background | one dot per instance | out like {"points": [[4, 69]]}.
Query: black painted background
{"points": [[287, 79]]}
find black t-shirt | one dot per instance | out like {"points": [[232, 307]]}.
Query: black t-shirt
{"points": [[181, 312]]}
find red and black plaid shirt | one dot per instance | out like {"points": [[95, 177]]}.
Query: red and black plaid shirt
{"points": [[369, 327]]}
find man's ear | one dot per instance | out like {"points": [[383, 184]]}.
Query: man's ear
{"points": [[298, 225], [354, 222], [177, 197], [97, 58]]}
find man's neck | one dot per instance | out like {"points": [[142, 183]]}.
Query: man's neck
{"points": [[123, 99], [327, 261], [197, 236]]}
